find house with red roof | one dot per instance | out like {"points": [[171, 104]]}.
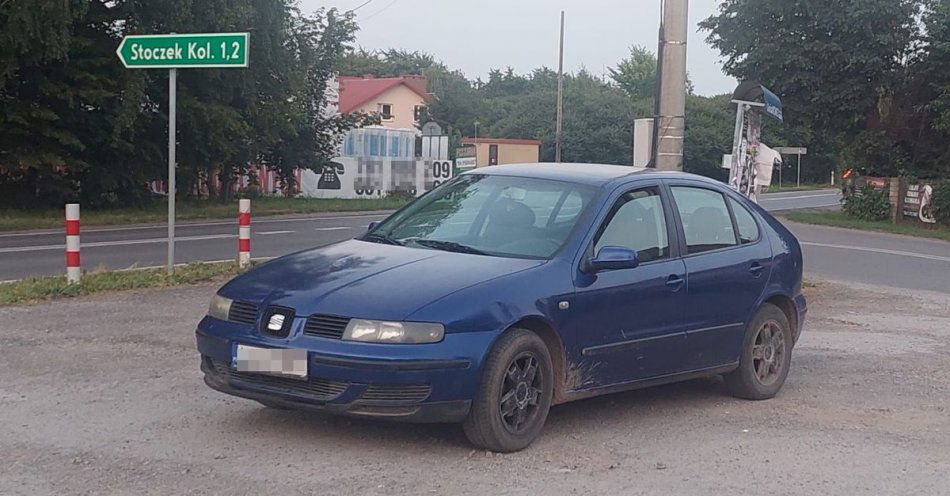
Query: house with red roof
{"points": [[398, 100]]}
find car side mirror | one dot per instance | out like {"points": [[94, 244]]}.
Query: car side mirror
{"points": [[613, 258], [373, 225]]}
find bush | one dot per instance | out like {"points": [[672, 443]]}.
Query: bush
{"points": [[941, 202], [867, 204]]}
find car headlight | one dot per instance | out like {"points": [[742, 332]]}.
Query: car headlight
{"points": [[220, 307], [375, 331]]}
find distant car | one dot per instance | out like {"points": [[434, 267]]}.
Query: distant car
{"points": [[513, 288]]}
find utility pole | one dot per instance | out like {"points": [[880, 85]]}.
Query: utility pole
{"points": [[671, 86], [560, 95], [476, 143]]}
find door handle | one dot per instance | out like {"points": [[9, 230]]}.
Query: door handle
{"points": [[756, 269], [675, 282]]}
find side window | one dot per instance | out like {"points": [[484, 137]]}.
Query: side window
{"points": [[706, 220], [748, 229], [637, 223]]}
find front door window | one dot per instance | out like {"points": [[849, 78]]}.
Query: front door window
{"points": [[637, 223]]}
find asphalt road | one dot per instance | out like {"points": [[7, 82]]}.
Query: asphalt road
{"points": [[830, 253], [874, 258], [102, 395], [43, 253], [798, 200], [35, 253]]}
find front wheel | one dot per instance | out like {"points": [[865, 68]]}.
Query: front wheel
{"points": [[766, 356], [515, 394]]}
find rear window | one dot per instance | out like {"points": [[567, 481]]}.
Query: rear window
{"points": [[745, 222]]}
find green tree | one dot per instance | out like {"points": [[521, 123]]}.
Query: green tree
{"points": [[636, 74], [61, 95], [314, 136], [709, 134], [836, 65], [76, 124], [927, 97], [831, 62]]}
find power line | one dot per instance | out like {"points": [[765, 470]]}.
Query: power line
{"points": [[380, 11], [360, 6]]}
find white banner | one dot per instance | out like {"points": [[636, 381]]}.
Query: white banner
{"points": [[375, 177]]}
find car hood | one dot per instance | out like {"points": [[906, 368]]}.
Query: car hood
{"points": [[368, 280]]}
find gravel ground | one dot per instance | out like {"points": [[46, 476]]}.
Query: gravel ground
{"points": [[102, 395]]}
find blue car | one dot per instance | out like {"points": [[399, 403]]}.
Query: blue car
{"points": [[513, 288]]}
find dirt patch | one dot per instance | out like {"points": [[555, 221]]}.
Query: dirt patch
{"points": [[102, 395]]}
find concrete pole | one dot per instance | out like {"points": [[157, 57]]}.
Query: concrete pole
{"points": [[560, 95], [670, 119]]}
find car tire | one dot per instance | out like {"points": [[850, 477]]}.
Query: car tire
{"points": [[514, 395], [765, 358]]}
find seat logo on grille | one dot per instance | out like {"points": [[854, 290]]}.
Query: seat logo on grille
{"points": [[276, 322]]}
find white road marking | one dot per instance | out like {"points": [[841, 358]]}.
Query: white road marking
{"points": [[339, 228], [45, 232], [150, 267], [781, 198], [823, 205], [268, 233], [880, 250], [19, 249]]}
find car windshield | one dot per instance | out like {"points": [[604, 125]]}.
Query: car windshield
{"points": [[490, 215]]}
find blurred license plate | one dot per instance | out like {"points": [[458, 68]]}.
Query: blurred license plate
{"points": [[288, 362]]}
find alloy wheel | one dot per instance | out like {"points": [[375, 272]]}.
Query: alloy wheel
{"points": [[521, 393], [768, 352]]}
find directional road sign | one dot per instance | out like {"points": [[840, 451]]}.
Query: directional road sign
{"points": [[173, 52], [182, 51]]}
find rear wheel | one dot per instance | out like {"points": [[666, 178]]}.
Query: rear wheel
{"points": [[515, 394], [766, 356]]}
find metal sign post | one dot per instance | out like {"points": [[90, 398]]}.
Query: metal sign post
{"points": [[795, 150], [172, 104], [173, 52]]}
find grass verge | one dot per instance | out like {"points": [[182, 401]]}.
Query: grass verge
{"points": [[14, 220], [839, 219], [36, 289]]}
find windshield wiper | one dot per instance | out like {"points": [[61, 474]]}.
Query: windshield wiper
{"points": [[449, 246], [381, 238]]}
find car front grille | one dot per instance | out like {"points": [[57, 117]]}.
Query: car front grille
{"points": [[242, 313], [320, 389], [396, 393], [326, 326]]}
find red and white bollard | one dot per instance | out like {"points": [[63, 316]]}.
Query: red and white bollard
{"points": [[244, 232], [73, 270]]}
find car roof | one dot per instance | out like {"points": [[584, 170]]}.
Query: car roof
{"points": [[591, 174]]}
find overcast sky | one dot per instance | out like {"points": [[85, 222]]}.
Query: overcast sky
{"points": [[478, 35]]}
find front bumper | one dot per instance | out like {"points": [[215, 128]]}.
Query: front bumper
{"points": [[416, 383], [273, 390]]}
